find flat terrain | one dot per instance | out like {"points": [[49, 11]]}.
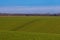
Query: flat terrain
{"points": [[29, 27]]}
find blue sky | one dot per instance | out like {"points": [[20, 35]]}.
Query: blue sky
{"points": [[29, 2], [32, 5]]}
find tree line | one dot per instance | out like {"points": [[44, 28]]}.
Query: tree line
{"points": [[21, 14]]}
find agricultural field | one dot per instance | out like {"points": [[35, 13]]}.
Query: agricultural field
{"points": [[29, 27]]}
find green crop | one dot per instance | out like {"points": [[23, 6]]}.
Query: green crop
{"points": [[30, 28]]}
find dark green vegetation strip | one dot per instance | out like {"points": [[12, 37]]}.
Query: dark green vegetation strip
{"points": [[19, 27], [14, 35]]}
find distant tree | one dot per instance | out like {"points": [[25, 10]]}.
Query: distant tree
{"points": [[54, 15]]}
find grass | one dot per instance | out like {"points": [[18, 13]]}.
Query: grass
{"points": [[30, 28]]}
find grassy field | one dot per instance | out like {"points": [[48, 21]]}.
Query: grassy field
{"points": [[29, 27]]}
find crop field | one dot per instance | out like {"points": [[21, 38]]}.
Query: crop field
{"points": [[29, 27]]}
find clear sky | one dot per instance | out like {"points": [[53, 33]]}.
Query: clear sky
{"points": [[27, 4]]}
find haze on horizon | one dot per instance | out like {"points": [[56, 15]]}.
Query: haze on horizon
{"points": [[29, 6]]}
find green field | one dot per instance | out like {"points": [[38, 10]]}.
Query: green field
{"points": [[29, 27]]}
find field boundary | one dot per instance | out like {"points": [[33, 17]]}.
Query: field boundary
{"points": [[19, 27]]}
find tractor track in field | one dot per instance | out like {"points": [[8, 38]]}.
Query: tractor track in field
{"points": [[19, 27]]}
